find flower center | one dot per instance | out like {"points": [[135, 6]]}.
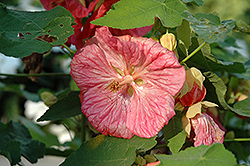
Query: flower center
{"points": [[114, 86]]}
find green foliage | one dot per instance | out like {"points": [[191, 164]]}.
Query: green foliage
{"points": [[216, 90], [242, 27], [176, 142], [125, 15], [15, 141], [68, 106], [243, 107], [23, 33], [105, 150], [195, 2], [203, 59], [209, 27], [205, 155]]}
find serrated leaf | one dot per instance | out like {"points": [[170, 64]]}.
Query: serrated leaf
{"points": [[204, 155], [209, 27], [105, 150], [196, 2], [66, 107], [173, 127], [13, 151], [15, 139], [136, 13], [205, 60], [22, 32], [176, 142]]}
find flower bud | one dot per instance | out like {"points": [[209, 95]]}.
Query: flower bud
{"points": [[168, 41], [48, 98]]}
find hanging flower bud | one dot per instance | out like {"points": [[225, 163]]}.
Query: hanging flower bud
{"points": [[168, 41], [193, 90]]}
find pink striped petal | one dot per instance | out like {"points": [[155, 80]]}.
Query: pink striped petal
{"points": [[160, 66], [89, 68], [149, 111], [107, 111], [206, 130]]}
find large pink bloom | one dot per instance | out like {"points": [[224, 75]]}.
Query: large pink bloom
{"points": [[127, 84]]}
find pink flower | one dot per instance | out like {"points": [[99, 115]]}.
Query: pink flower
{"points": [[206, 130], [78, 8], [127, 84]]}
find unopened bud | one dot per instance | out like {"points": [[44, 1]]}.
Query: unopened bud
{"points": [[168, 41], [150, 158], [140, 160], [48, 98]]}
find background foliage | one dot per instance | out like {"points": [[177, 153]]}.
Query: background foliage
{"points": [[223, 59]]}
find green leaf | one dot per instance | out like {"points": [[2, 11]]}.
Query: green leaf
{"points": [[38, 134], [184, 33], [105, 150], [216, 90], [15, 139], [243, 107], [136, 13], [176, 142], [242, 27], [22, 32], [173, 127], [196, 2], [12, 152], [205, 60], [66, 107], [209, 27], [204, 155]]}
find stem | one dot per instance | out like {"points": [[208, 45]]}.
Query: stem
{"points": [[83, 129], [73, 144], [194, 52], [237, 139], [34, 75], [71, 52]]}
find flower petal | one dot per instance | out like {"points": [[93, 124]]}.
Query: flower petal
{"points": [[149, 111], [107, 111], [206, 130], [121, 54], [89, 68], [160, 66]]}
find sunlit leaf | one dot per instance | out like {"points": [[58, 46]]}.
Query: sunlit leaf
{"points": [[136, 13], [209, 27], [106, 151], [176, 142], [196, 2], [205, 155]]}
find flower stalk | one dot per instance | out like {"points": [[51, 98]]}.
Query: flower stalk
{"points": [[193, 53]]}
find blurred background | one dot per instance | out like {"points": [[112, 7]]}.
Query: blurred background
{"points": [[20, 98]]}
